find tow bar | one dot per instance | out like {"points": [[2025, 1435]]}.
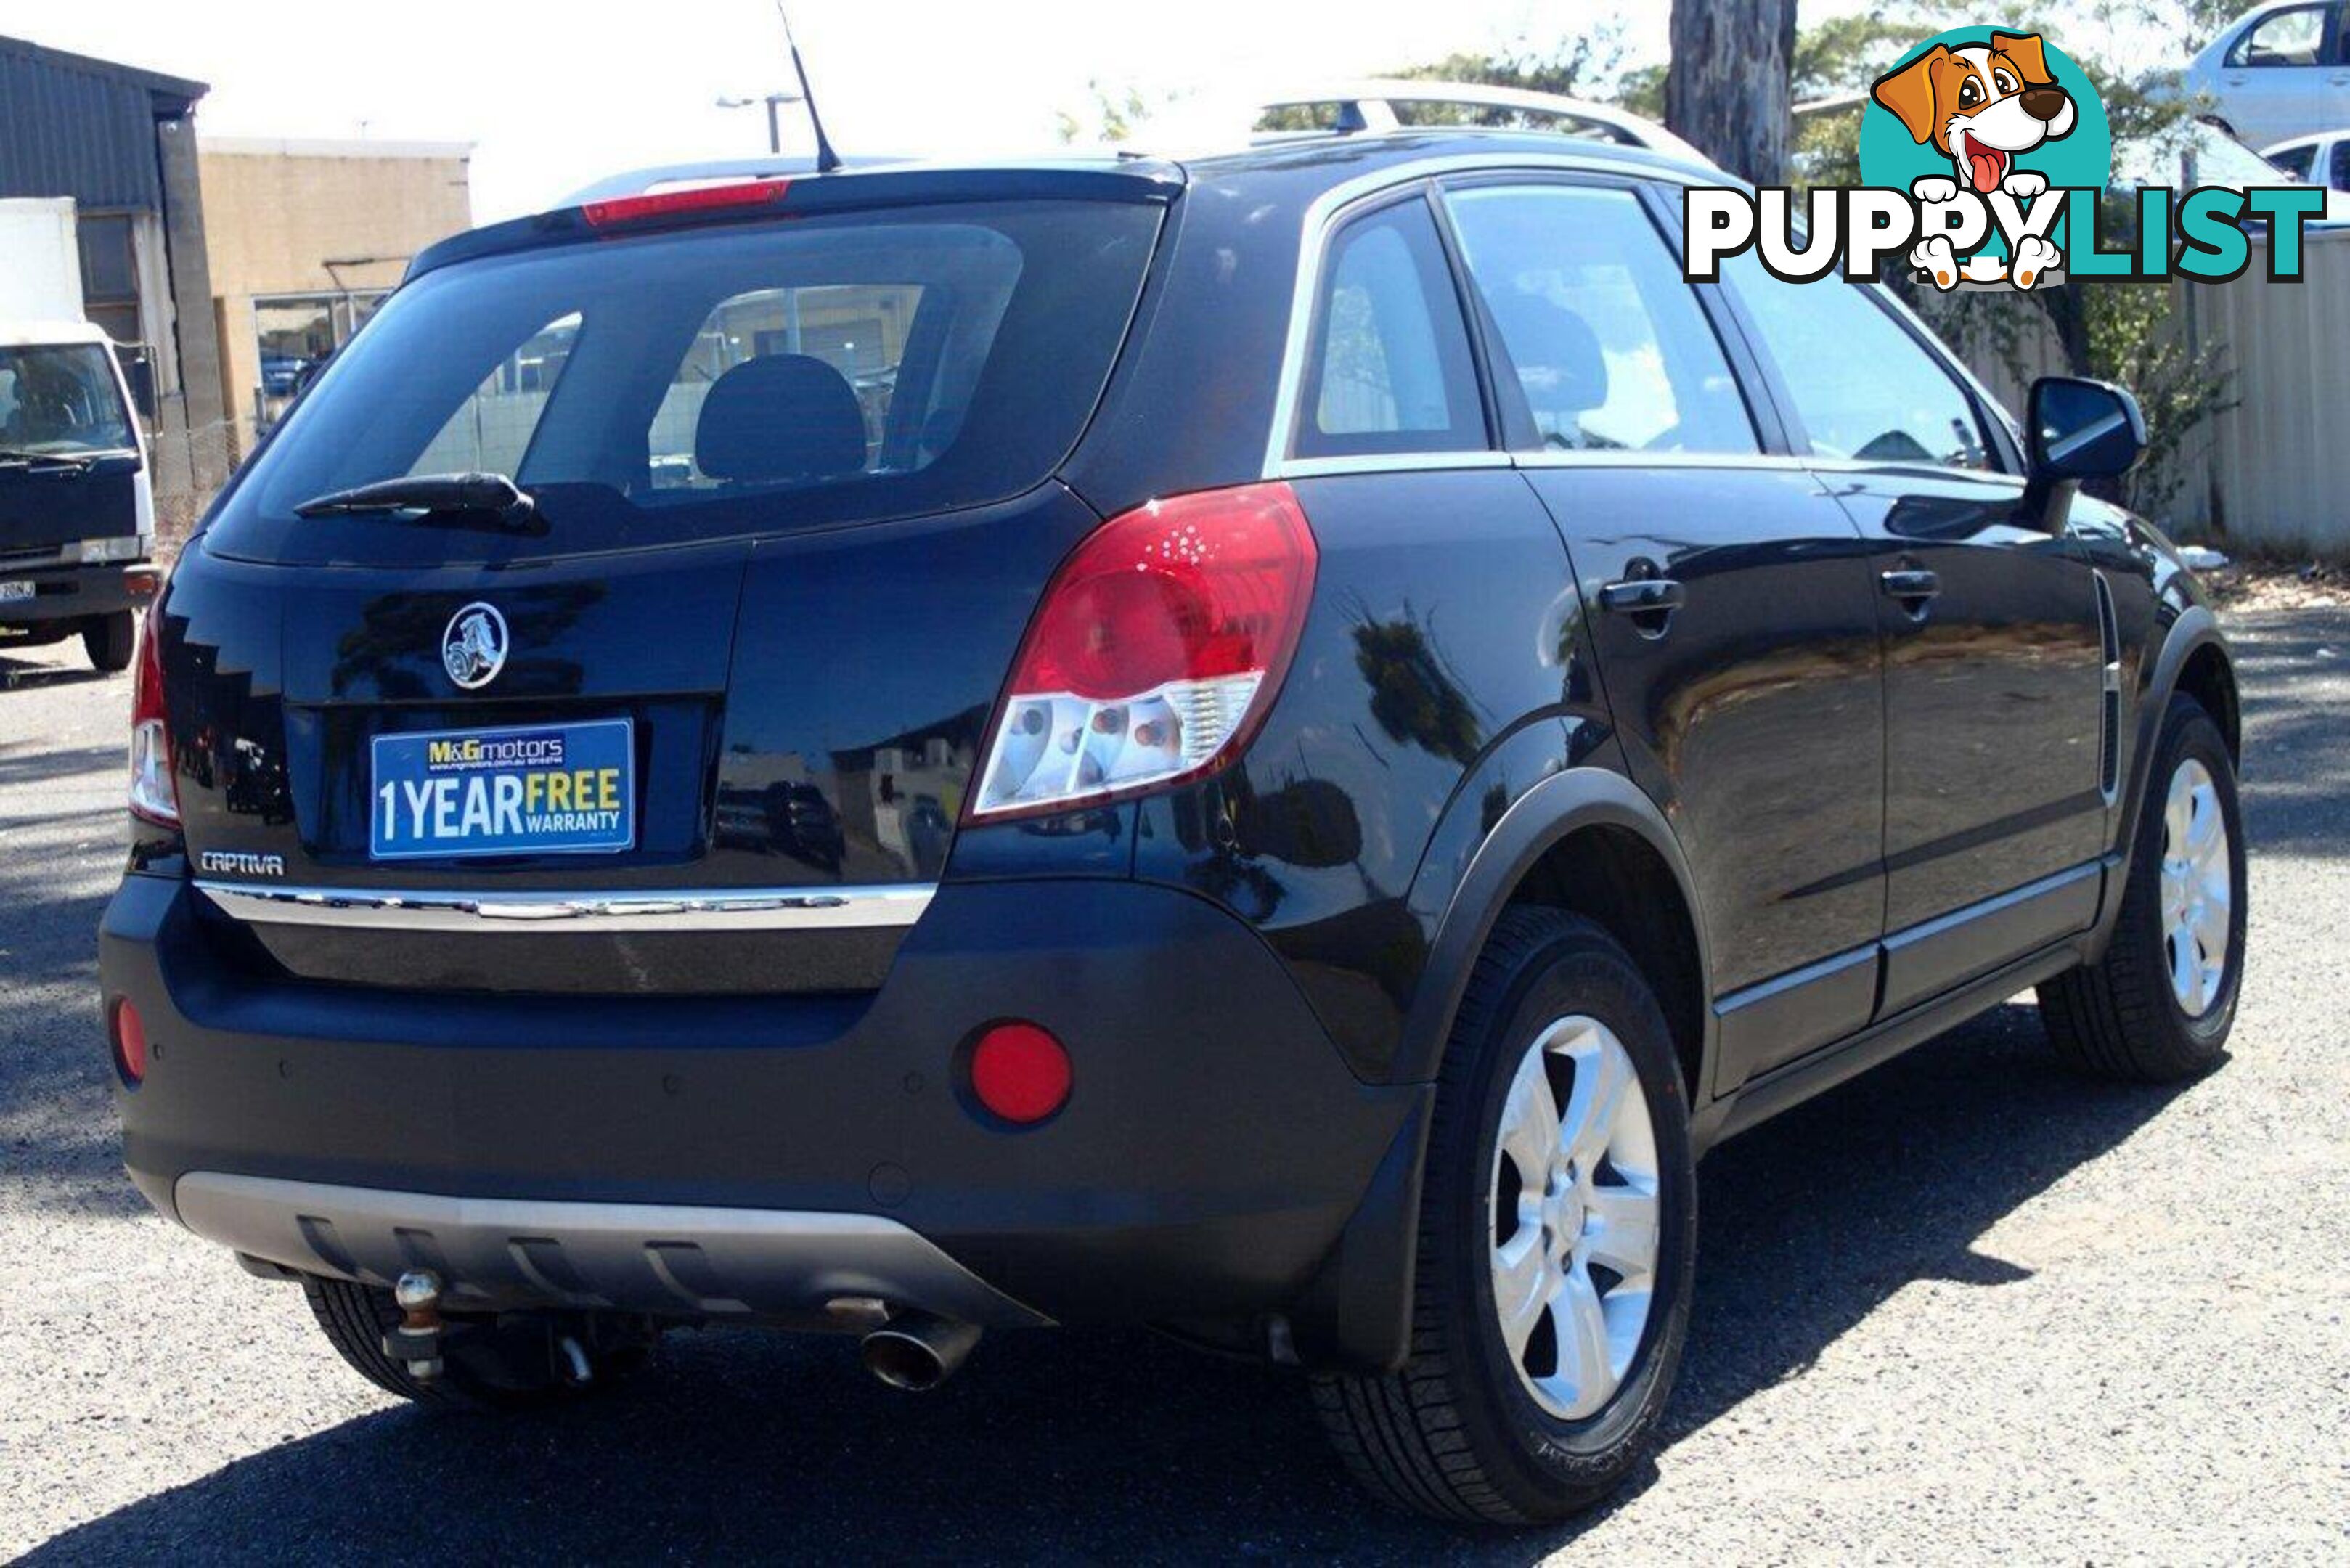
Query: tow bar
{"points": [[416, 1342]]}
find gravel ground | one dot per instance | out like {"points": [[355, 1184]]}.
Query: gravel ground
{"points": [[1963, 1308]]}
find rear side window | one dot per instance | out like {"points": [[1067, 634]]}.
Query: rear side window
{"points": [[1390, 369], [2341, 178], [2296, 161], [1861, 387], [1610, 348], [717, 382]]}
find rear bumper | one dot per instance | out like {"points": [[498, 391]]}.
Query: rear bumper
{"points": [[759, 1154], [72, 593], [635, 1257]]}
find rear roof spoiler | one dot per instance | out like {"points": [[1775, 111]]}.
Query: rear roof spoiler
{"points": [[866, 184]]}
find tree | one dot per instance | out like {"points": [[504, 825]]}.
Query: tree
{"points": [[1109, 117], [2120, 332], [1726, 89]]}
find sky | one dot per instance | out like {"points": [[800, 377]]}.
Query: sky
{"points": [[555, 95]]}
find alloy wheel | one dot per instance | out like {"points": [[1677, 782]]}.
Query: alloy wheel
{"points": [[1574, 1212], [2198, 888]]}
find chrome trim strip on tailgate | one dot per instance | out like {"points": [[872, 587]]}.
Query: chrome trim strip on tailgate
{"points": [[647, 910], [631, 1257]]}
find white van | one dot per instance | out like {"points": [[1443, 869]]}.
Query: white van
{"points": [[76, 504]]}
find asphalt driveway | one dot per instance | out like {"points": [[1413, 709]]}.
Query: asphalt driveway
{"points": [[1965, 1308]]}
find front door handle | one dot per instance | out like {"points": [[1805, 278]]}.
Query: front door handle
{"points": [[1649, 601], [1914, 587]]}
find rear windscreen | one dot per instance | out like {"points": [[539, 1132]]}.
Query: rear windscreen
{"points": [[715, 383]]}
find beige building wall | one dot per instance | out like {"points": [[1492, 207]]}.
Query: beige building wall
{"points": [[277, 213]]}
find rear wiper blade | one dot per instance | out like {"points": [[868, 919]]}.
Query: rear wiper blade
{"points": [[492, 495]]}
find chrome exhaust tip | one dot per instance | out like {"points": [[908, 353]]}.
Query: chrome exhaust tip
{"points": [[917, 1350]]}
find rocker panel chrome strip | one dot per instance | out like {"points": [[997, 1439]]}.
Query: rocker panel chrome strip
{"points": [[647, 910]]}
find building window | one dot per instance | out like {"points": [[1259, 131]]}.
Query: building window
{"points": [[110, 274], [294, 335]]}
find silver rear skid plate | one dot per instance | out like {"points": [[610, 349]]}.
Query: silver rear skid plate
{"points": [[670, 1259]]}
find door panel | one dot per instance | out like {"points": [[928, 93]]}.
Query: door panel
{"points": [[1992, 687], [1993, 665], [1728, 598], [1751, 712]]}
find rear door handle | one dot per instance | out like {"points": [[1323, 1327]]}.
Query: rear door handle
{"points": [[1916, 588], [1650, 601]]}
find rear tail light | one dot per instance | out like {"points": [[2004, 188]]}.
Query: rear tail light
{"points": [[1156, 652], [153, 794]]}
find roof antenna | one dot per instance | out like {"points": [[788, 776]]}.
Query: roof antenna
{"points": [[827, 160]]}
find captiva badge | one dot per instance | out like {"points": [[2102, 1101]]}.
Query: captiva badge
{"points": [[473, 648]]}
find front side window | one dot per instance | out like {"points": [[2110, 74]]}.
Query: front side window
{"points": [[491, 431], [1863, 388], [858, 332], [2284, 38], [61, 401], [1391, 369], [1607, 341]]}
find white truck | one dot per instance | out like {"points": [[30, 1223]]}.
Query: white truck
{"points": [[77, 502]]}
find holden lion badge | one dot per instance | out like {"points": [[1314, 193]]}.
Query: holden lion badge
{"points": [[474, 649]]}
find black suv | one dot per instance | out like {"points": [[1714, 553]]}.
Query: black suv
{"points": [[1269, 746]]}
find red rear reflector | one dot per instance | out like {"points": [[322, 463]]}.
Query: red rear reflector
{"points": [[670, 204], [129, 1043], [1020, 1073]]}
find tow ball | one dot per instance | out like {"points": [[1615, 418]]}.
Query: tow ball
{"points": [[416, 1342]]}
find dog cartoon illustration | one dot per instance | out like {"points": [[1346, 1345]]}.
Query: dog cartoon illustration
{"points": [[1981, 106]]}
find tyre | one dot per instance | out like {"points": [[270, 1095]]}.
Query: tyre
{"points": [[110, 640], [1557, 1238], [2158, 1006], [516, 1362]]}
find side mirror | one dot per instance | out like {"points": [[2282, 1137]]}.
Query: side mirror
{"points": [[2083, 429], [140, 372]]}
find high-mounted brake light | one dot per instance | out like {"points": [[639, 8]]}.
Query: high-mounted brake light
{"points": [[154, 795], [1156, 652], [622, 210]]}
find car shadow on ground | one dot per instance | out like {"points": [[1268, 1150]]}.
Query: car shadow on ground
{"points": [[16, 673], [1121, 1446]]}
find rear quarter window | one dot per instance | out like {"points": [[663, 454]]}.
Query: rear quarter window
{"points": [[717, 382]]}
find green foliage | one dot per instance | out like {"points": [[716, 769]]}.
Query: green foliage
{"points": [[1111, 117], [2123, 333]]}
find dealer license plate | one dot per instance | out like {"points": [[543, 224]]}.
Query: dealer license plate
{"points": [[546, 789]]}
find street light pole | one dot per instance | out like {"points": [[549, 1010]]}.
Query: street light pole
{"points": [[774, 102]]}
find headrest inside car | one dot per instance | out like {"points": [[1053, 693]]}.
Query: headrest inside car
{"points": [[778, 418], [1556, 351]]}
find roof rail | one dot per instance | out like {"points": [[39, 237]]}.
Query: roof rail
{"points": [[1367, 106]]}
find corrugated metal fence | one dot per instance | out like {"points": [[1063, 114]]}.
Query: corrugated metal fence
{"points": [[2265, 477]]}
